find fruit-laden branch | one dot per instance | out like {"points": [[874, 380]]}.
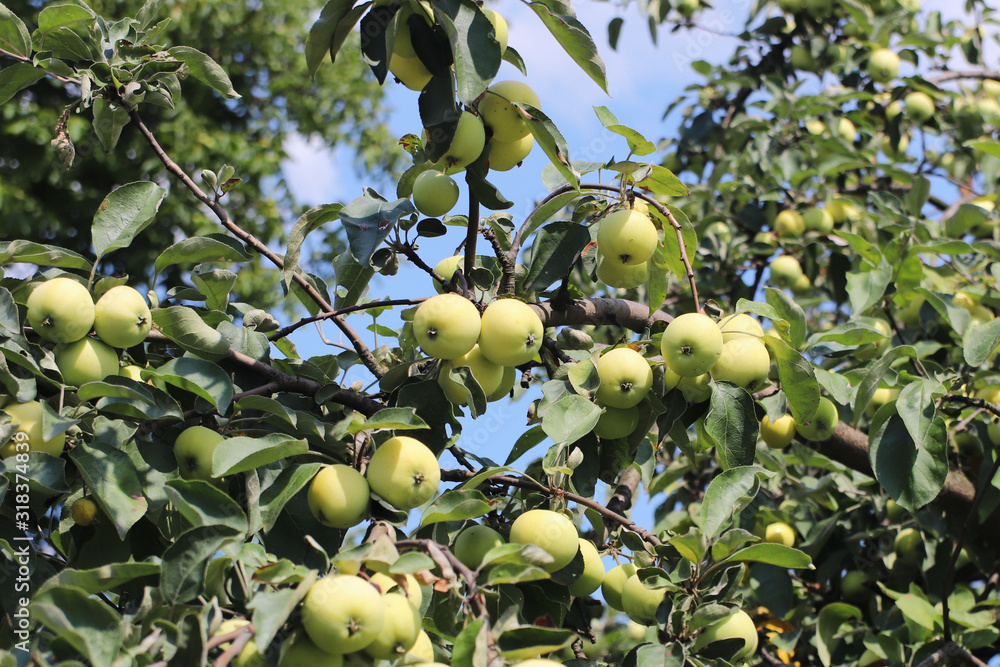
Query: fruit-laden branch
{"points": [[281, 333], [614, 312], [458, 475]]}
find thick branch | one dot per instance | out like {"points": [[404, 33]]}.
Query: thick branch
{"points": [[966, 74], [615, 312]]}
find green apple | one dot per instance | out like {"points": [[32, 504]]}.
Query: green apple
{"points": [[505, 155], [893, 109], [895, 512], [737, 626], [779, 533], [500, 31], [818, 220], [614, 582], [687, 8], [434, 193], [551, 532], [854, 587], [625, 378], [883, 65], [882, 396], [472, 544], [745, 362], [720, 230], [511, 332], [338, 496], [193, 450], [640, 602], [919, 107], [498, 111], [506, 384], [739, 326], [61, 310], [593, 571], [250, 655], [132, 372], [86, 360], [27, 417], [342, 613], [846, 131], [300, 651], [617, 422], [815, 127], [622, 276], [802, 59], [627, 237], [691, 344], [446, 326], [487, 374], [411, 590], [83, 511], [801, 286], [896, 150], [400, 629], [465, 146], [422, 651], [908, 546], [404, 63], [789, 223], [990, 88], [841, 210], [404, 472], [121, 317], [785, 270], [696, 389], [779, 434], [823, 424], [446, 268]]}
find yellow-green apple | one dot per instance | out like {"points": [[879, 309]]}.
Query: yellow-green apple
{"points": [[487, 374], [121, 317], [625, 377], [617, 422], [446, 326], [472, 544], [551, 532], [505, 155], [789, 223], [86, 360], [400, 629], [411, 591], [61, 310], [422, 651], [893, 109], [511, 332], [802, 58], [780, 433], [446, 268], [919, 107], [815, 127], [27, 417], [846, 130], [687, 8], [882, 396], [744, 362], [908, 546], [193, 450], [434, 193], [738, 326], [83, 511], [614, 582], [894, 511], [338, 496], [622, 276], [627, 237], [500, 31], [823, 423], [593, 571], [990, 88], [498, 111], [342, 613], [785, 270], [854, 587], [404, 472], [697, 389], [883, 65], [132, 372], [818, 220], [300, 651], [895, 150], [841, 209], [466, 145], [250, 655], [801, 286], [506, 384], [640, 602], [779, 533], [404, 63], [691, 344], [737, 626]]}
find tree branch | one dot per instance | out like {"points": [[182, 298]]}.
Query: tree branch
{"points": [[471, 232], [281, 333], [615, 312]]}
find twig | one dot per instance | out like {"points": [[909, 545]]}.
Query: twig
{"points": [[281, 333], [58, 77], [966, 74], [950, 650], [245, 633], [411, 254], [472, 230], [506, 263]]}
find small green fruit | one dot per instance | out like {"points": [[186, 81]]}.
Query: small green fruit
{"points": [[474, 542], [434, 193], [122, 318], [550, 531], [593, 571], [86, 360], [614, 582], [338, 496], [61, 310], [626, 378], [404, 472]]}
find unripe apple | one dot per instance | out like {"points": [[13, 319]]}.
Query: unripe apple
{"points": [[86, 360], [465, 146], [487, 374], [823, 424], [412, 591], [498, 111], [779, 434], [815, 127], [739, 326], [802, 59], [687, 8], [625, 378], [919, 107], [640, 602], [404, 63], [779, 533], [737, 626], [908, 546], [342, 613], [691, 344], [27, 417], [505, 155], [132, 372], [801, 286], [194, 449], [434, 193], [474, 542], [622, 276], [785, 270], [894, 511], [841, 210], [506, 385], [882, 396], [500, 31], [617, 423], [614, 582], [627, 236], [745, 362], [511, 332], [446, 326], [895, 150], [593, 571], [61, 310], [789, 223], [404, 472], [894, 109], [400, 629], [696, 389], [550, 531], [846, 131], [854, 587], [122, 318], [338, 496], [818, 220], [883, 65], [250, 655], [990, 88], [83, 511], [446, 268], [300, 651], [422, 651]]}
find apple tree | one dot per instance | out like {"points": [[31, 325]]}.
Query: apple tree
{"points": [[760, 357]]}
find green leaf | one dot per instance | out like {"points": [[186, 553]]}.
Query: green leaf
{"points": [[637, 144], [553, 252], [866, 288], [309, 221], [525, 442], [457, 505], [202, 504], [14, 36], [352, 281], [16, 78], [570, 418], [274, 498], [84, 622], [917, 196], [488, 194], [476, 54], [560, 19], [552, 143], [322, 38], [184, 562], [773, 554], [672, 253], [111, 477], [980, 341], [988, 146], [476, 397], [215, 285], [662, 181], [272, 608], [728, 494], [545, 211], [470, 644], [199, 377], [66, 31], [798, 379], [124, 214], [916, 406], [958, 318], [400, 419], [198, 249], [185, 327], [206, 70], [99, 579], [920, 611], [368, 220], [40, 254], [828, 627], [790, 312], [242, 453], [873, 376], [692, 545], [731, 422], [108, 123], [528, 641], [911, 476]]}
